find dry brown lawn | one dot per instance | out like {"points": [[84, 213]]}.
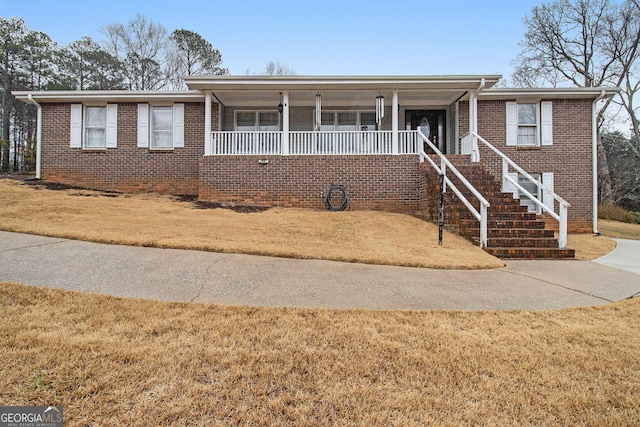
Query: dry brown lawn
{"points": [[162, 221], [620, 230], [111, 361]]}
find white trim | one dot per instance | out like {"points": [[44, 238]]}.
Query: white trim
{"points": [[547, 93], [394, 123], [509, 187], [207, 123], [178, 125], [152, 126], [537, 193], [111, 128], [256, 118], [543, 125], [111, 96], [547, 198], [75, 137], [285, 123], [546, 123], [143, 125], [358, 124]]}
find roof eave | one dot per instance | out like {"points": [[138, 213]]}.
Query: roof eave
{"points": [[335, 82], [110, 96], [547, 93]]}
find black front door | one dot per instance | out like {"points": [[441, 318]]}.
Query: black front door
{"points": [[432, 123]]}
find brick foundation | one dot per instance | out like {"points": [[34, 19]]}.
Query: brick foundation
{"points": [[389, 183]]}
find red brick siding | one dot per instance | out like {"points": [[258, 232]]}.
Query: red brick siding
{"points": [[389, 183], [569, 158], [127, 167]]}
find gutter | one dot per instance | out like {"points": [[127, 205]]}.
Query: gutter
{"points": [[594, 162], [38, 136]]}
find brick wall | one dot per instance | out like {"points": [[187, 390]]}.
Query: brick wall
{"points": [[390, 183], [127, 167], [569, 158]]}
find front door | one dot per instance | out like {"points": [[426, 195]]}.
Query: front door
{"points": [[432, 123]]}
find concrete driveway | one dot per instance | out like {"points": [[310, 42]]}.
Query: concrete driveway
{"points": [[182, 275]]}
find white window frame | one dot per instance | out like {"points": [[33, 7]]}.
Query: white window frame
{"points": [[547, 181], [86, 127], [535, 125], [543, 125], [78, 134], [524, 199], [145, 126], [153, 130], [256, 119], [358, 113]]}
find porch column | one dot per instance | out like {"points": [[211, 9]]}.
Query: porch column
{"points": [[285, 123], [207, 124], [394, 123], [473, 125]]}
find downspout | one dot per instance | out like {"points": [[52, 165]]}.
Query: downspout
{"points": [[594, 163], [38, 136]]}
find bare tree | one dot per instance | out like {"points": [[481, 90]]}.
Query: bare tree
{"points": [[140, 46], [623, 38], [277, 69], [585, 43]]}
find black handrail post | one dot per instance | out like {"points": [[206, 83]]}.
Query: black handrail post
{"points": [[441, 210]]}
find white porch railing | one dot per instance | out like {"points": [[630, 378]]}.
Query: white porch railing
{"points": [[481, 216], [245, 143], [508, 182], [312, 143]]}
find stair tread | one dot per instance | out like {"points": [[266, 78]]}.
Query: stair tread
{"points": [[512, 231]]}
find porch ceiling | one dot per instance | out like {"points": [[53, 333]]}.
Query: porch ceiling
{"points": [[245, 91]]}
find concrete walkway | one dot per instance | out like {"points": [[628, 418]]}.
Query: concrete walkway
{"points": [[626, 256], [181, 275]]}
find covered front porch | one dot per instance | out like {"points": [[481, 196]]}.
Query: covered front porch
{"points": [[353, 115]]}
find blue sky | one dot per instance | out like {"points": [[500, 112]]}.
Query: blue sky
{"points": [[330, 37]]}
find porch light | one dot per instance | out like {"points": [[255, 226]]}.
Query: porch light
{"points": [[318, 112], [280, 107], [379, 109]]}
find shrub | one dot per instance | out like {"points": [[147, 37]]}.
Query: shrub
{"points": [[616, 213]]}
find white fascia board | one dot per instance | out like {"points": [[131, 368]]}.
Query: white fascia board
{"points": [[547, 93], [238, 83], [76, 96]]}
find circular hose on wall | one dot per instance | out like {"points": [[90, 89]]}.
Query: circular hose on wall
{"points": [[345, 199]]}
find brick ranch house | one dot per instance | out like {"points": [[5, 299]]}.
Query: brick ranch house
{"points": [[283, 141]]}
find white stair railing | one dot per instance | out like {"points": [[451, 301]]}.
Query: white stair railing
{"points": [[442, 170], [562, 214]]}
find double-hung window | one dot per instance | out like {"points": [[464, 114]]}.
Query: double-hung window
{"points": [[529, 124], [161, 127], [348, 120], [95, 127], [265, 121], [541, 194], [532, 188]]}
